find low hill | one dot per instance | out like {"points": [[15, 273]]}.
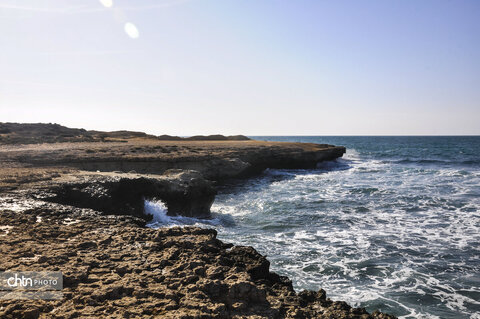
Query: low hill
{"points": [[33, 133]]}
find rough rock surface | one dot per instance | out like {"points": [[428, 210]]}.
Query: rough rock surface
{"points": [[215, 160], [114, 267]]}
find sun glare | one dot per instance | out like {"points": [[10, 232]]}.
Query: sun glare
{"points": [[107, 3], [131, 30]]}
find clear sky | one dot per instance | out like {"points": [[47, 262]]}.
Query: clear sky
{"points": [[254, 67]]}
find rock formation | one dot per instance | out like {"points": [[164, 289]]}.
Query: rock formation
{"points": [[185, 193]]}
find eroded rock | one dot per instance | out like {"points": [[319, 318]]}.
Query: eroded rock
{"points": [[184, 192]]}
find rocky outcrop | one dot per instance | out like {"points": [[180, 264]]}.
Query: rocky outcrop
{"points": [[215, 160], [116, 191], [185, 193], [252, 163], [115, 268]]}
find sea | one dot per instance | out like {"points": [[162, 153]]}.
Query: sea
{"points": [[393, 225]]}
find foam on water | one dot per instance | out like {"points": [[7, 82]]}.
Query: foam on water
{"points": [[372, 228]]}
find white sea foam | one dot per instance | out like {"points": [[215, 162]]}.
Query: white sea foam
{"points": [[367, 233], [159, 211], [372, 232]]}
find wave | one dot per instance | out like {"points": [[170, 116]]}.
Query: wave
{"points": [[375, 233], [433, 161], [159, 211]]}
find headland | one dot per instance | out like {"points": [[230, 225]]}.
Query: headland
{"points": [[74, 204]]}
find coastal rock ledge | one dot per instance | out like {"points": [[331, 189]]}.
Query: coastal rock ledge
{"points": [[184, 192], [115, 177]]}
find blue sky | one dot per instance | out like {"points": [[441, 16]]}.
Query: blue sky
{"points": [[255, 67]]}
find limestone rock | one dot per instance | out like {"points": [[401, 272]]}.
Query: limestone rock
{"points": [[185, 193]]}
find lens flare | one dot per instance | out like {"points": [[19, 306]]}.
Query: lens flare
{"points": [[131, 30], [107, 3]]}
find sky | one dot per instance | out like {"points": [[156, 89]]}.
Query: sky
{"points": [[253, 67]]}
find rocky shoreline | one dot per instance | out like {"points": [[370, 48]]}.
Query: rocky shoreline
{"points": [[78, 208], [115, 267]]}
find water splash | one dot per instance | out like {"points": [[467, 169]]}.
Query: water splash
{"points": [[159, 211]]}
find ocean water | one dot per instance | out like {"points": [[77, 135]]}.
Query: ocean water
{"points": [[394, 225]]}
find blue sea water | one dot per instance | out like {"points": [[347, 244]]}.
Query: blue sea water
{"points": [[393, 225]]}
